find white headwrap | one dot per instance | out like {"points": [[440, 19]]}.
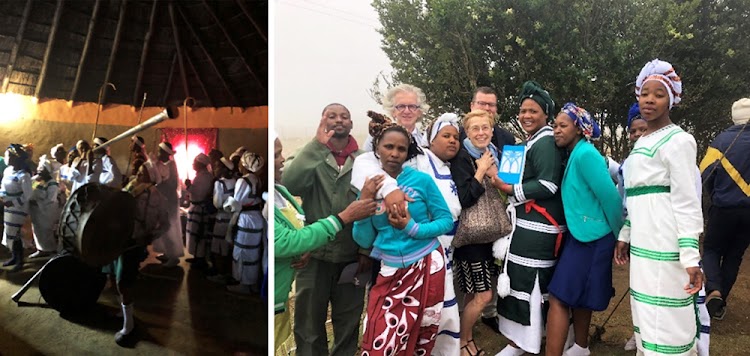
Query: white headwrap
{"points": [[166, 148], [137, 141], [741, 111], [45, 163], [100, 141], [665, 74], [227, 163], [447, 119], [54, 149], [203, 159], [253, 162]]}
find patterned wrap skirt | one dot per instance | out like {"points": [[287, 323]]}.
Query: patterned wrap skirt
{"points": [[404, 308]]}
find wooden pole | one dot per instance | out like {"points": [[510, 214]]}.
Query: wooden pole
{"points": [[84, 54], [16, 45], [48, 50]]}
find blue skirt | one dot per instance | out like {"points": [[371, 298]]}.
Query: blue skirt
{"points": [[583, 277]]}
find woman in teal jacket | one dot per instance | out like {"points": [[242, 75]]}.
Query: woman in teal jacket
{"points": [[405, 303], [593, 211], [292, 238]]}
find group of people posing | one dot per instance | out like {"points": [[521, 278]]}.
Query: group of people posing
{"points": [[398, 201], [225, 229]]}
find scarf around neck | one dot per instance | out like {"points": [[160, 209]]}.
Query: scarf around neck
{"points": [[476, 153]]}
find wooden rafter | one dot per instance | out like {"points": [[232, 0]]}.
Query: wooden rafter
{"points": [[234, 45], [144, 54], [16, 45], [250, 17], [198, 77], [84, 54], [115, 46], [169, 80], [211, 61], [48, 50], [178, 45]]}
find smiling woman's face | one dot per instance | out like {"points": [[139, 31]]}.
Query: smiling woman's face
{"points": [[531, 116]]}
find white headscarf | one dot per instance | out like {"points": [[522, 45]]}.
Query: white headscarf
{"points": [[447, 119], [253, 162], [45, 163], [665, 74], [54, 149]]}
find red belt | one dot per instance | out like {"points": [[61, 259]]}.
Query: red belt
{"points": [[533, 205]]}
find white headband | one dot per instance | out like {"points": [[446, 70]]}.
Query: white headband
{"points": [[54, 149], [166, 148], [447, 119]]}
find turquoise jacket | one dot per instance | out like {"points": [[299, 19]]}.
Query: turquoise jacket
{"points": [[430, 218], [593, 207]]}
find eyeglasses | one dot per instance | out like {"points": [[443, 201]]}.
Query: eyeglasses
{"points": [[477, 128], [411, 107], [484, 103]]}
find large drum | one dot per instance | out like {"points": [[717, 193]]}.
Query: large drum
{"points": [[96, 224]]}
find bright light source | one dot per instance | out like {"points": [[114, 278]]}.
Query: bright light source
{"points": [[185, 163], [13, 107]]}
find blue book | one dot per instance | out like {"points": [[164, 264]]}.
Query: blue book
{"points": [[512, 163]]}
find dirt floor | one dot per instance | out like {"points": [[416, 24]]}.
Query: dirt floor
{"points": [[730, 336], [178, 312]]}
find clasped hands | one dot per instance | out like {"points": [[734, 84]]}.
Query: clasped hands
{"points": [[395, 202]]}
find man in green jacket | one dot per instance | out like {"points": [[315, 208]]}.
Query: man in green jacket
{"points": [[321, 175], [291, 240]]}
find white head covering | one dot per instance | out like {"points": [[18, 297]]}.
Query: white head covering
{"points": [[238, 152], [100, 141], [203, 159], [741, 111], [166, 148], [45, 163], [447, 119], [665, 74], [253, 162], [138, 141], [54, 149]]}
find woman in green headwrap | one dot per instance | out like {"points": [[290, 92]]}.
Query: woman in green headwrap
{"points": [[530, 253]]}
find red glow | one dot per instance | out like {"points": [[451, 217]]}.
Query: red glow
{"points": [[185, 162]]}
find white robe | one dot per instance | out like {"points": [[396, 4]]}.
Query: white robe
{"points": [[223, 189], [110, 174], [196, 232], [248, 240], [16, 189], [170, 242], [665, 219], [45, 211]]}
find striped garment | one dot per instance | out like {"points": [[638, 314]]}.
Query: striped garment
{"points": [[664, 221], [15, 189]]}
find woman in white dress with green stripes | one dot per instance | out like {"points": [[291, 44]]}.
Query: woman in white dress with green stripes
{"points": [[664, 222]]}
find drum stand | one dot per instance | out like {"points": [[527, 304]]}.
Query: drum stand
{"points": [[17, 296]]}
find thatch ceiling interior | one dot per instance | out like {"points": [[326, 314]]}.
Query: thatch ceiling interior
{"points": [[215, 51]]}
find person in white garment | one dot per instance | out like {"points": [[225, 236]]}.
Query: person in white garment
{"points": [[220, 247], [406, 104], [169, 244], [45, 209], [15, 191], [83, 170], [248, 238], [198, 229], [660, 236], [110, 174]]}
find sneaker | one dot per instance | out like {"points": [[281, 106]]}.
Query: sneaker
{"points": [[716, 305], [630, 345]]}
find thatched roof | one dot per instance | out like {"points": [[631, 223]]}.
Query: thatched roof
{"points": [[215, 51]]}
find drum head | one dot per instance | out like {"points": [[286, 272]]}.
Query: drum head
{"points": [[69, 285], [97, 223]]}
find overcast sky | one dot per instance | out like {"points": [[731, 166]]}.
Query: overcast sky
{"points": [[339, 42]]}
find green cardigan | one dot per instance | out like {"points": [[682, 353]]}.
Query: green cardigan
{"points": [[290, 242], [593, 208]]}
